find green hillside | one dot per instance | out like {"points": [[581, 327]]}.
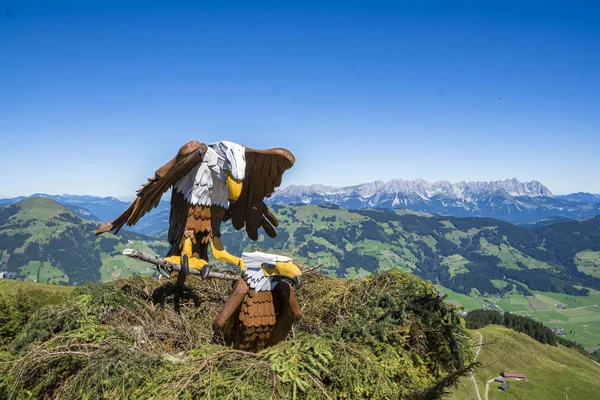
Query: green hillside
{"points": [[41, 293], [154, 360], [552, 372], [42, 241]]}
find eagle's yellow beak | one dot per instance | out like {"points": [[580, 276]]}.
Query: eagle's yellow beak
{"points": [[234, 187], [284, 269]]}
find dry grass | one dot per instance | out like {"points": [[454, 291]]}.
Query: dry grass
{"points": [[387, 336]]}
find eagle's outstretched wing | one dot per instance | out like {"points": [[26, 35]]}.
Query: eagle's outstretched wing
{"points": [[264, 169], [148, 197]]}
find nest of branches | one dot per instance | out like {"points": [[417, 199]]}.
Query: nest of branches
{"points": [[386, 336]]}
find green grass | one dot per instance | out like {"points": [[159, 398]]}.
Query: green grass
{"points": [[456, 264], [571, 301], [500, 284], [514, 303], [119, 266], [536, 304], [391, 259], [429, 241], [50, 274], [352, 273], [509, 255], [401, 211], [456, 235], [306, 216], [43, 272], [40, 210], [588, 262], [448, 225], [581, 326], [30, 270], [45, 294], [552, 372], [460, 300]]}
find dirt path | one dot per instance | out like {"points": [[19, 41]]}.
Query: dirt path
{"points": [[487, 387], [472, 373]]}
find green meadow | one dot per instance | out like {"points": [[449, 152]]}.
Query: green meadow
{"points": [[580, 320], [552, 372]]}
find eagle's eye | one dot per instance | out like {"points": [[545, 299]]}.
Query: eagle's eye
{"points": [[268, 265]]}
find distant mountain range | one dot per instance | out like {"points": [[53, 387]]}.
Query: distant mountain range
{"points": [[508, 200], [523, 203]]}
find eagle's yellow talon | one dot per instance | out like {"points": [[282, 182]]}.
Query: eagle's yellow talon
{"points": [[221, 254], [193, 262]]}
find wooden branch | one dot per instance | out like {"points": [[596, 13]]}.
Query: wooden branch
{"points": [[312, 268], [140, 255]]}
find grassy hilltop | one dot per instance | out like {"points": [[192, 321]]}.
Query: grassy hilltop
{"points": [[383, 337]]}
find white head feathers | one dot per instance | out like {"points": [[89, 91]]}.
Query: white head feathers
{"points": [[206, 183], [254, 273], [233, 156]]}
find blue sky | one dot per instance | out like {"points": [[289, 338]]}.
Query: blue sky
{"points": [[95, 95]]}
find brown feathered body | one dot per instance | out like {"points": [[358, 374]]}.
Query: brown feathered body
{"points": [[197, 222], [252, 320], [255, 322]]}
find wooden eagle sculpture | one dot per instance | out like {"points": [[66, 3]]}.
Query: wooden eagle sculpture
{"points": [[263, 306], [210, 184], [215, 183]]}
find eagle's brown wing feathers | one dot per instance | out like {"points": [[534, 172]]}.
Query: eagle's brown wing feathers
{"points": [[150, 194], [180, 210], [288, 311], [264, 169]]}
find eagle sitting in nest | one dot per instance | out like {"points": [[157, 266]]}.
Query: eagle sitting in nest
{"points": [[263, 306]]}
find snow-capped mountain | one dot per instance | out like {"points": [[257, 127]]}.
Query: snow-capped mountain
{"points": [[402, 191], [509, 200]]}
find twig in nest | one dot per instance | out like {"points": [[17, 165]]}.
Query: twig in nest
{"points": [[208, 360]]}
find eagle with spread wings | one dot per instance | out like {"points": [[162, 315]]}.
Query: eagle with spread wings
{"points": [[211, 184]]}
